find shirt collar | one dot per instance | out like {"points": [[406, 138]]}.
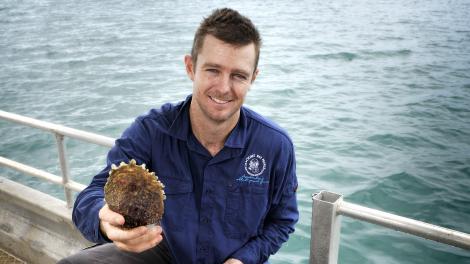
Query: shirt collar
{"points": [[181, 126], [237, 137]]}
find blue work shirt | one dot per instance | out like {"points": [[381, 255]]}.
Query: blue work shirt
{"points": [[240, 203]]}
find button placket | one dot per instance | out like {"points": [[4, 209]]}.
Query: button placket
{"points": [[205, 214]]}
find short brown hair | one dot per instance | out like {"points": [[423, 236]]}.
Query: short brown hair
{"points": [[229, 26]]}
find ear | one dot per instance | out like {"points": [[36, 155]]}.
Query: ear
{"points": [[188, 61], [255, 74]]}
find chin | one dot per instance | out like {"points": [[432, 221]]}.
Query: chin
{"points": [[221, 117]]}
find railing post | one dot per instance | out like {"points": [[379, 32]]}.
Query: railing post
{"points": [[64, 168], [325, 228]]}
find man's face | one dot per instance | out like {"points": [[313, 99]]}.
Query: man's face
{"points": [[221, 79]]}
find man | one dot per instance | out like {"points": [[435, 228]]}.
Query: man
{"points": [[229, 174]]}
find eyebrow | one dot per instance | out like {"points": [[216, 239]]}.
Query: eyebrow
{"points": [[218, 66]]}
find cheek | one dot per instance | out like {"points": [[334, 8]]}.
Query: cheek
{"points": [[202, 80], [241, 93], [198, 84]]}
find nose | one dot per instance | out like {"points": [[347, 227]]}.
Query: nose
{"points": [[225, 83]]}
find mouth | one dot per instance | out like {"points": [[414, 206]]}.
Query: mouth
{"points": [[219, 101]]}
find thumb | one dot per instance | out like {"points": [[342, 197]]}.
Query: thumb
{"points": [[113, 218]]}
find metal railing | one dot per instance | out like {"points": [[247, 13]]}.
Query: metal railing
{"points": [[328, 208], [59, 132]]}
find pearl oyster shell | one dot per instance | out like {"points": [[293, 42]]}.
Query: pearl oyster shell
{"points": [[135, 193]]}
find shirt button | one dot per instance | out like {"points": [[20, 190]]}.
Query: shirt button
{"points": [[232, 187]]}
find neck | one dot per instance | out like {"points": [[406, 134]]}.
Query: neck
{"points": [[211, 134]]}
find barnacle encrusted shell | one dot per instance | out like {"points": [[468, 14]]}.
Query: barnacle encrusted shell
{"points": [[135, 193]]}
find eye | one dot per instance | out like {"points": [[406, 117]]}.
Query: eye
{"points": [[240, 77], [211, 70]]}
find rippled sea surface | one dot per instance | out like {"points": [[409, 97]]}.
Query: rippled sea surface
{"points": [[375, 94]]}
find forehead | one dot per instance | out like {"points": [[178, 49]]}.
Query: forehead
{"points": [[216, 51]]}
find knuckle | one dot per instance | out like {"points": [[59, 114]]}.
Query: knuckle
{"points": [[156, 242], [115, 236], [121, 246]]}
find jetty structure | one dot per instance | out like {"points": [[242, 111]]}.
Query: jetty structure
{"points": [[37, 228]]}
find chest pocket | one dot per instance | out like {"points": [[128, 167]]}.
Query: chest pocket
{"points": [[245, 209], [179, 194]]}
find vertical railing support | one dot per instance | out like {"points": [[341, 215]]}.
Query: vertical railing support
{"points": [[64, 168], [325, 228]]}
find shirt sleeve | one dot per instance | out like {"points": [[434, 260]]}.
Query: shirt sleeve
{"points": [[133, 144], [280, 219]]}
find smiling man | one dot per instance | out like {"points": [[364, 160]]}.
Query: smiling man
{"points": [[221, 79], [229, 173]]}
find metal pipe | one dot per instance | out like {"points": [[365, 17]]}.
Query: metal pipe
{"points": [[75, 186], [328, 204], [63, 130], [407, 225], [325, 228], [64, 168], [40, 174]]}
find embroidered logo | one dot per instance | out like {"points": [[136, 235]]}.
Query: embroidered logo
{"points": [[255, 165]]}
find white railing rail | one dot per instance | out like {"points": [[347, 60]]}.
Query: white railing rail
{"points": [[328, 208], [59, 132]]}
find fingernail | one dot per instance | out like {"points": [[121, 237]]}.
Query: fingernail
{"points": [[151, 226]]}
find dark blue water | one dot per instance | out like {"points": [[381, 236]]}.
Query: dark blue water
{"points": [[375, 95]]}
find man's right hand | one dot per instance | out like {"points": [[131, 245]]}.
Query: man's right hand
{"points": [[134, 240]]}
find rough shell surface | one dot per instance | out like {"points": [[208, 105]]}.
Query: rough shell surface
{"points": [[134, 192]]}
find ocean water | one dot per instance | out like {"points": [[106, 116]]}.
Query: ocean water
{"points": [[375, 95]]}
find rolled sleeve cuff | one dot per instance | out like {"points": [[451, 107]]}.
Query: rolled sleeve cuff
{"points": [[95, 233]]}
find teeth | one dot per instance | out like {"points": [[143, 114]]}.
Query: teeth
{"points": [[219, 101]]}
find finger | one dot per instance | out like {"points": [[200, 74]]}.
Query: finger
{"points": [[107, 215], [122, 235], [140, 247], [149, 240], [155, 227], [153, 235]]}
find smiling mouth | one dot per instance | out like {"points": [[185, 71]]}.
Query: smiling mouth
{"points": [[219, 101]]}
